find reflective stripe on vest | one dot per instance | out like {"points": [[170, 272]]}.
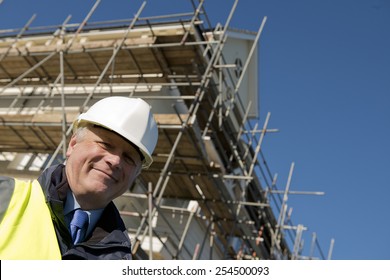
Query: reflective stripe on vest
{"points": [[26, 230]]}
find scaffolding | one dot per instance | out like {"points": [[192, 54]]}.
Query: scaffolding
{"points": [[210, 193]]}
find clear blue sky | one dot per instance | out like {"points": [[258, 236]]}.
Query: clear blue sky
{"points": [[325, 77]]}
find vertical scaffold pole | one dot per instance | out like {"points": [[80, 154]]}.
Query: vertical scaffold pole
{"points": [[150, 200]]}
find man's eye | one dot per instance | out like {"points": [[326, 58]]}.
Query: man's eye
{"points": [[129, 159], [105, 145]]}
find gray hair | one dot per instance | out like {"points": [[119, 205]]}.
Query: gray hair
{"points": [[81, 130]]}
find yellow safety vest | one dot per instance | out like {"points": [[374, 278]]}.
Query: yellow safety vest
{"points": [[26, 230]]}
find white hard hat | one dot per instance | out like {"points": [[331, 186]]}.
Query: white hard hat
{"points": [[129, 117]]}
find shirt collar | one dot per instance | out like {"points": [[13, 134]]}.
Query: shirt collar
{"points": [[72, 204]]}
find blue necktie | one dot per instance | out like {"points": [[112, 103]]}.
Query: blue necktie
{"points": [[78, 225]]}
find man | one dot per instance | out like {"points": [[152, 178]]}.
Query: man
{"points": [[68, 213]]}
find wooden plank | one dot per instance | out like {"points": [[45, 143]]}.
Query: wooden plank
{"points": [[33, 47], [56, 117], [46, 117], [169, 119]]}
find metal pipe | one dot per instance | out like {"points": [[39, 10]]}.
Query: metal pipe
{"points": [[312, 247], [63, 104], [258, 147], [261, 130], [184, 235], [117, 48], [83, 23], [282, 213], [77, 97], [298, 192], [54, 155], [237, 177], [150, 200], [331, 249], [26, 124], [17, 37], [194, 16], [27, 72]]}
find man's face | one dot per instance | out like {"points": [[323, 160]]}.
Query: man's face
{"points": [[101, 166]]}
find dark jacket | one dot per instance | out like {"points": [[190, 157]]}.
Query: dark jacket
{"points": [[109, 240]]}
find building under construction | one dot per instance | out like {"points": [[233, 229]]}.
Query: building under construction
{"points": [[209, 193]]}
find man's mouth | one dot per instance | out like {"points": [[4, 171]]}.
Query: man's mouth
{"points": [[108, 174]]}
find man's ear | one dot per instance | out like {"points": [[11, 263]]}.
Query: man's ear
{"points": [[71, 145]]}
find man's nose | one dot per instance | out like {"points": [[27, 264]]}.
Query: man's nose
{"points": [[114, 159]]}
